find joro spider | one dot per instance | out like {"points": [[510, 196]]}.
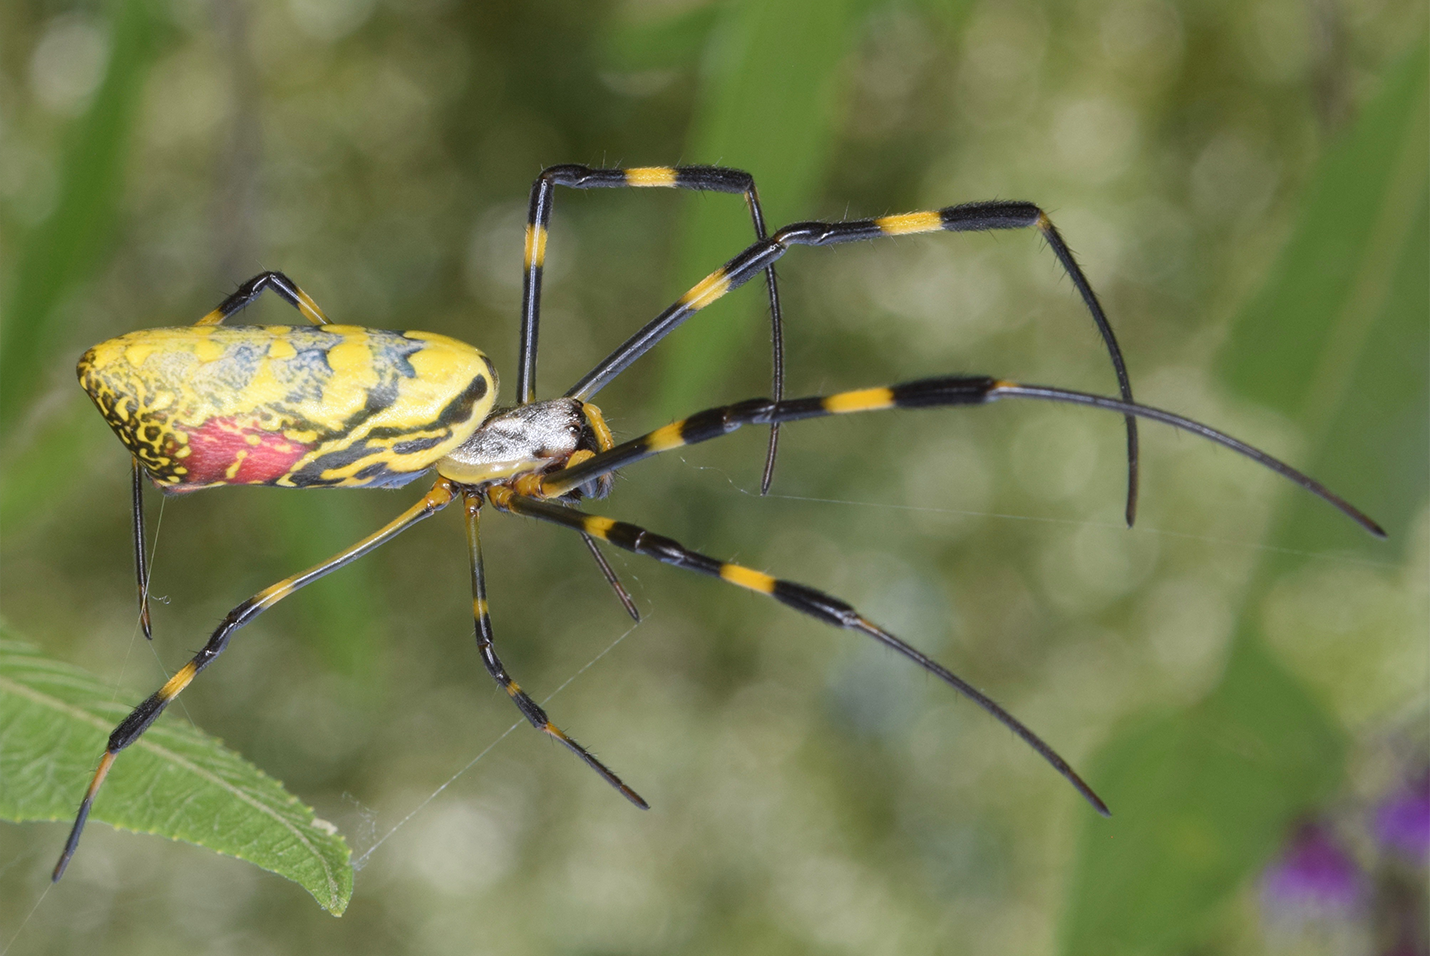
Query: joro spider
{"points": [[343, 406]]}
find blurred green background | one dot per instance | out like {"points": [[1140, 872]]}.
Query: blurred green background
{"points": [[1245, 183]]}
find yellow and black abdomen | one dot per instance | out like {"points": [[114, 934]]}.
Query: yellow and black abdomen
{"points": [[292, 406]]}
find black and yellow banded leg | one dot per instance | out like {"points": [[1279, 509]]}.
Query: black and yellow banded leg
{"points": [[530, 709], [924, 393], [804, 599], [970, 217], [284, 287], [139, 719], [697, 178], [715, 422]]}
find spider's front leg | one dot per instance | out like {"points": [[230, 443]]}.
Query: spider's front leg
{"points": [[946, 391], [969, 217], [717, 179]]}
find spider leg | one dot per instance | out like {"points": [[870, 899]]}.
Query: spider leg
{"points": [[529, 708], [804, 599], [698, 178], [141, 557], [924, 393], [602, 438], [139, 719], [609, 573], [969, 217], [284, 287]]}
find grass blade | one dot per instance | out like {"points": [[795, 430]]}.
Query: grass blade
{"points": [[1337, 340]]}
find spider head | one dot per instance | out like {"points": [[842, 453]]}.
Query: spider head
{"points": [[530, 439]]}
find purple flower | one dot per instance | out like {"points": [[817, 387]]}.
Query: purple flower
{"points": [[1314, 876], [1402, 822]]}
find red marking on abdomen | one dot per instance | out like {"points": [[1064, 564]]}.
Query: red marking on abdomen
{"points": [[219, 442]]}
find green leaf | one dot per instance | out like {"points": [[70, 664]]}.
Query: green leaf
{"points": [[1318, 280], [1339, 338], [174, 781], [1338, 341]]}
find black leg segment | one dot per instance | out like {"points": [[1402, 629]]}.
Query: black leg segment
{"points": [[804, 599], [139, 719], [284, 287], [970, 217], [141, 556], [697, 178], [486, 646]]}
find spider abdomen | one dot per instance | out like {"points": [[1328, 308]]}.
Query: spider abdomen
{"points": [[289, 406]]}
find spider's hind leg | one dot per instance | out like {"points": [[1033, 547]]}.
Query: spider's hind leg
{"points": [[282, 286], [131, 728], [141, 557]]}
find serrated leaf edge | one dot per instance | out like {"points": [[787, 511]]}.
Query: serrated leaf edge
{"points": [[165, 753]]}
